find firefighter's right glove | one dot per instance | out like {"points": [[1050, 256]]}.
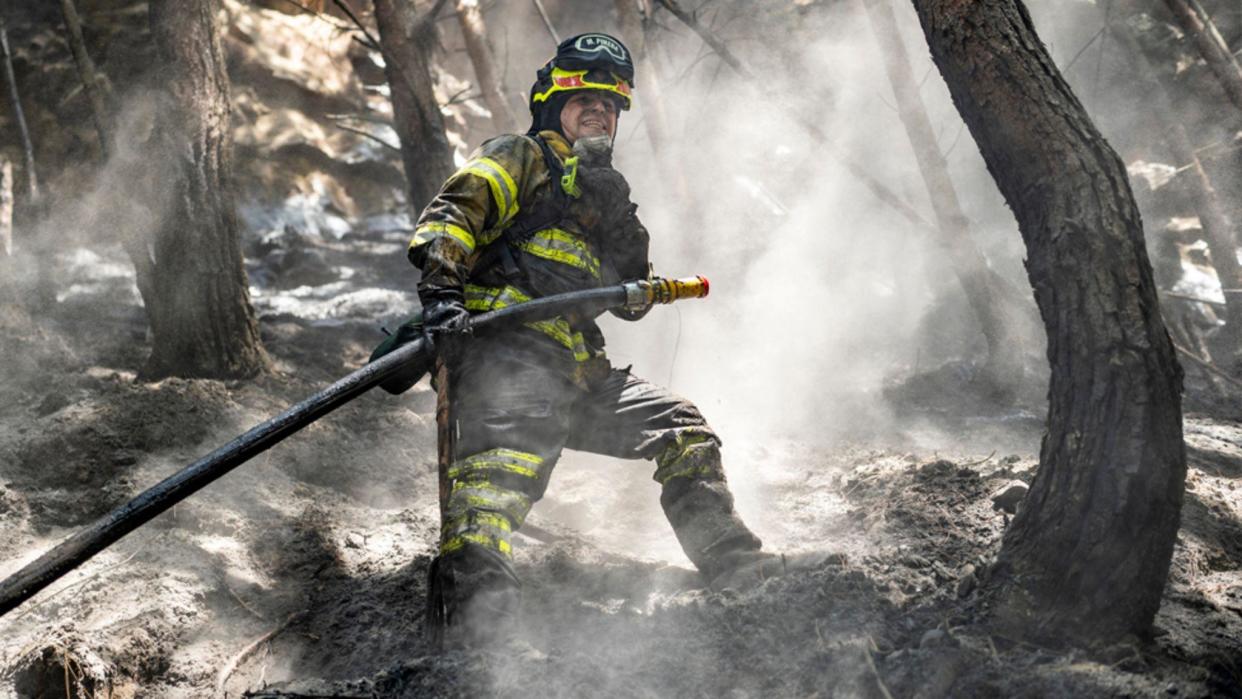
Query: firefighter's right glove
{"points": [[444, 317], [444, 311]]}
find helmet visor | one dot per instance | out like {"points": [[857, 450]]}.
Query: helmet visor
{"points": [[563, 80]]}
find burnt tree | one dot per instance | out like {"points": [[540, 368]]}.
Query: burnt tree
{"points": [[474, 32], [406, 40], [1089, 552], [202, 322], [1218, 231], [1196, 22], [986, 292]]}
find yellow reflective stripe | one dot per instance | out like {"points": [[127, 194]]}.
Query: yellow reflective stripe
{"points": [[490, 298], [485, 496], [504, 189], [518, 462], [564, 247], [484, 298], [473, 521], [431, 230], [670, 460], [490, 542]]}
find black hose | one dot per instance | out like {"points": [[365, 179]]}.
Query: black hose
{"points": [[108, 529]]}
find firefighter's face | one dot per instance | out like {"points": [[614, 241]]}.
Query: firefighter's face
{"points": [[589, 113]]}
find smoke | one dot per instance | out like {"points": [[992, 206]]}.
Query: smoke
{"points": [[820, 294], [819, 290]]}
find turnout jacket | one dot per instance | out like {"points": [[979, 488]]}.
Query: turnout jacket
{"points": [[527, 217]]}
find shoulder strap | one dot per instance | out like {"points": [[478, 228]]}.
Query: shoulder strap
{"points": [[528, 221]]}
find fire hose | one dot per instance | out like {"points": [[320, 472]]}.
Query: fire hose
{"points": [[110, 528]]}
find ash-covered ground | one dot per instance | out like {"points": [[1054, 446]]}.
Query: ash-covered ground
{"points": [[303, 572]]}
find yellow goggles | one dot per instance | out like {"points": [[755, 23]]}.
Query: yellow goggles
{"points": [[569, 80]]}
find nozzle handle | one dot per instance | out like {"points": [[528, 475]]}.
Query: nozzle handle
{"points": [[647, 292]]}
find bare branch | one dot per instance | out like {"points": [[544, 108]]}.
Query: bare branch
{"points": [[878, 189], [1199, 25], [367, 134], [547, 21]]}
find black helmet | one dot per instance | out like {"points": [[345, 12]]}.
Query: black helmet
{"points": [[592, 61]]}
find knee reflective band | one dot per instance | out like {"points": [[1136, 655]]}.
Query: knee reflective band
{"points": [[486, 298], [486, 529], [694, 453], [481, 509], [519, 462]]}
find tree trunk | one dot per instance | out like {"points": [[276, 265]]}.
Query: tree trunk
{"points": [[1199, 25], [474, 30], [425, 149], [633, 16], [91, 81], [1218, 231], [986, 292], [120, 217], [1089, 552], [201, 318], [6, 208], [630, 15], [19, 115]]}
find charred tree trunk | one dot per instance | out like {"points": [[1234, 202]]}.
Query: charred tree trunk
{"points": [[91, 81], [474, 31], [425, 149], [1199, 25], [19, 115], [1218, 230], [633, 17], [630, 15], [201, 318], [6, 208], [98, 92], [986, 292], [1089, 552]]}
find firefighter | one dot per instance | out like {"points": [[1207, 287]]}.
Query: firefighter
{"points": [[527, 216]]}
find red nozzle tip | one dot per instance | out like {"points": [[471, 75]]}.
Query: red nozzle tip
{"points": [[707, 287]]}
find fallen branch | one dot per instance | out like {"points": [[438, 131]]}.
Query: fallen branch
{"points": [[85, 579], [1188, 297], [1207, 366], [980, 461], [538, 533], [367, 134], [238, 659], [243, 604], [879, 681]]}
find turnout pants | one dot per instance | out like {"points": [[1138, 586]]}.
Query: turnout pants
{"points": [[512, 413]]}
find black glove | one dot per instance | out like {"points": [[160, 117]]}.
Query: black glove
{"points": [[444, 311]]}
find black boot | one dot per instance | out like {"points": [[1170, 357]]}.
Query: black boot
{"points": [[473, 597], [707, 527]]}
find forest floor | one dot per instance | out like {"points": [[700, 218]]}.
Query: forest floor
{"points": [[303, 572]]}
